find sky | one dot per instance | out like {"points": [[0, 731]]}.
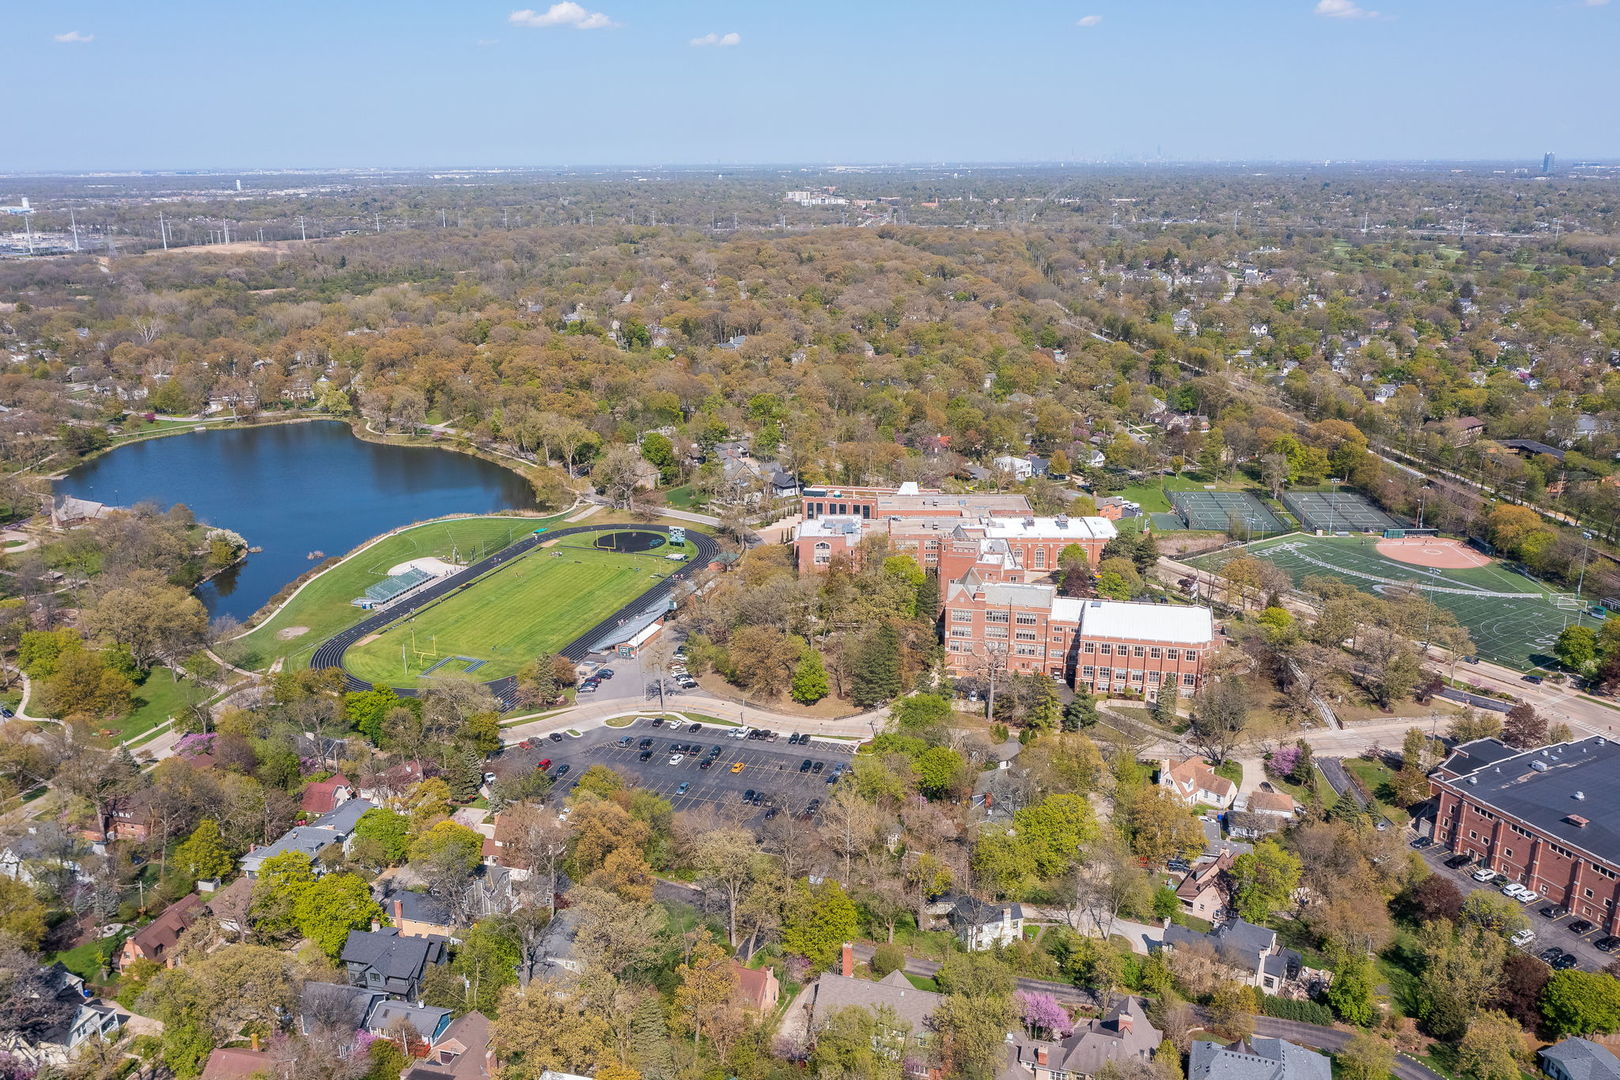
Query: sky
{"points": [[162, 84]]}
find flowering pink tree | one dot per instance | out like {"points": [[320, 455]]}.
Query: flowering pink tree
{"points": [[1042, 1013], [1283, 761]]}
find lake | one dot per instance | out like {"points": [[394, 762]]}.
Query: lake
{"points": [[292, 489]]}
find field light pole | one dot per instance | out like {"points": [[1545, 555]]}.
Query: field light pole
{"points": [[1586, 550]]}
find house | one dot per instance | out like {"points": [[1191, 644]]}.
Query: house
{"points": [[1250, 951], [1194, 782], [324, 796], [230, 907], [67, 511], [388, 961], [1579, 1059], [1116, 508], [40, 851], [156, 940], [334, 827], [241, 1063], [1206, 888], [1016, 467], [757, 988], [82, 1018], [335, 1006], [1256, 1059], [462, 1052], [1276, 803], [391, 1019], [1121, 1035], [980, 925], [414, 913], [830, 992], [1247, 826], [557, 952]]}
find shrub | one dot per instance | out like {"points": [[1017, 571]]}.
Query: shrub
{"points": [[1304, 1012], [888, 957]]}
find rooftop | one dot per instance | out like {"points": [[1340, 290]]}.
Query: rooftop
{"points": [[1080, 528], [1147, 622], [1256, 1059], [1583, 1059], [1566, 791]]}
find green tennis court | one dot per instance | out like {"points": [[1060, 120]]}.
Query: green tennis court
{"points": [[1513, 619]]}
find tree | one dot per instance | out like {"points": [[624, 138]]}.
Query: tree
{"points": [[618, 473], [887, 957], [1220, 715], [448, 848], [1492, 1048], [1460, 973], [727, 860], [1161, 827], [1366, 1057], [940, 771], [281, 881], [1524, 727], [1581, 1003], [332, 905], [155, 621], [1433, 898], [380, 836], [484, 965], [1043, 1016], [809, 678], [1577, 648], [1351, 991], [817, 920], [29, 1005], [1080, 712], [858, 1044], [972, 1032], [1053, 831], [1231, 1010], [614, 934], [203, 856], [1264, 880], [540, 1029], [22, 916], [876, 678], [705, 998], [1164, 711], [1494, 912]]}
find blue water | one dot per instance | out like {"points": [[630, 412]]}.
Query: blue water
{"points": [[292, 489]]}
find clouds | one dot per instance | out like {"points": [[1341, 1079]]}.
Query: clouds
{"points": [[73, 37], [719, 41], [1343, 9], [1596, 3], [1088, 21], [566, 13]]}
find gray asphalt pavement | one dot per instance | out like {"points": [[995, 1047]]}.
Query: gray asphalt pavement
{"points": [[769, 767]]}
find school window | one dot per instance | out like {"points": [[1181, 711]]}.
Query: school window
{"points": [[961, 631], [1040, 558], [1027, 618], [1137, 650], [1188, 679], [1136, 676], [1153, 677], [1027, 635], [1155, 653], [1087, 647], [1088, 672], [995, 631], [995, 616], [1120, 674], [1107, 650], [1171, 654]]}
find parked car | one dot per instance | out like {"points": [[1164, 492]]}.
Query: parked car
{"points": [[816, 767], [1423, 842], [1565, 961], [1514, 890], [555, 736], [1581, 927], [695, 728], [706, 762], [490, 778], [1522, 938], [1484, 873], [1607, 944], [545, 763], [623, 743], [714, 752], [562, 770], [645, 755], [804, 766], [1529, 896], [748, 796], [605, 673], [1179, 866], [1554, 911], [682, 789], [646, 744], [1457, 862], [676, 759], [736, 766], [1549, 955], [815, 804], [587, 687], [658, 721]]}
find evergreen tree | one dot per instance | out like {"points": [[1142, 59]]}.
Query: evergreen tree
{"points": [[464, 772], [1164, 706], [928, 598], [877, 670], [809, 678], [1046, 712], [1081, 712], [649, 1040]]}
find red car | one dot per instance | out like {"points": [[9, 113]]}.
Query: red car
{"points": [[545, 763]]}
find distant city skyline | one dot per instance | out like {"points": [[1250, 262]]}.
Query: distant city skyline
{"points": [[188, 84]]}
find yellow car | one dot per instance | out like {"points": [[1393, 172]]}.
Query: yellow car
{"points": [[738, 767]]}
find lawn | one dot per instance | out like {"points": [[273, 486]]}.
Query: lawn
{"points": [[158, 698], [323, 607], [529, 607], [93, 960], [683, 498]]}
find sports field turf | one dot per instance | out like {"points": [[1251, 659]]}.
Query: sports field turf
{"points": [[529, 607], [1513, 619], [323, 607]]}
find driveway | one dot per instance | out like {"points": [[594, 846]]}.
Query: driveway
{"points": [[1549, 932]]}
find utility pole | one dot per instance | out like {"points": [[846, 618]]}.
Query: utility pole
{"points": [[379, 222], [73, 223], [163, 231], [302, 232]]}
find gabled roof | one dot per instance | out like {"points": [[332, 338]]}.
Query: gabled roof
{"points": [[389, 954], [237, 1063], [320, 797], [1256, 1059], [831, 992], [157, 937], [1583, 1059]]}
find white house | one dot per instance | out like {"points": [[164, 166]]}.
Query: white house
{"points": [[1016, 467], [1194, 782]]}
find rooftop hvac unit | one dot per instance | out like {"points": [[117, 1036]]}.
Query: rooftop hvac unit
{"points": [[1539, 766]]}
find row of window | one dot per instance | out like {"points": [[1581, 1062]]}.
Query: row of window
{"points": [[1121, 676], [816, 509], [1152, 652]]}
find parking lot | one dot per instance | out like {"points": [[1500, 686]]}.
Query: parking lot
{"points": [[770, 769], [1549, 932]]}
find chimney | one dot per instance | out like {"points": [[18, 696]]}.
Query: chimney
{"points": [[847, 969], [1041, 1055], [399, 911], [1126, 1020]]}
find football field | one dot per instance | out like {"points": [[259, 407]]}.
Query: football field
{"points": [[1513, 619], [529, 607]]}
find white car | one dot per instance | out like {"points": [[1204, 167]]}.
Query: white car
{"points": [[1484, 873], [676, 759], [1515, 890], [1522, 938], [1528, 896]]}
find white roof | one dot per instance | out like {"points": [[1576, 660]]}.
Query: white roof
{"points": [[1080, 528], [1146, 622]]}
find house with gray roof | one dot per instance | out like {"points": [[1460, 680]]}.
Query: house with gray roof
{"points": [[389, 1018], [1256, 1059], [333, 1005], [1251, 951], [333, 828], [1579, 1059], [830, 992], [386, 960], [1121, 1035], [77, 1018], [982, 925]]}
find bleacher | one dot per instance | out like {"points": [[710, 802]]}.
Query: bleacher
{"points": [[390, 589]]}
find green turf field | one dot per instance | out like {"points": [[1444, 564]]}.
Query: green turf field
{"points": [[1513, 619], [527, 608], [323, 607]]}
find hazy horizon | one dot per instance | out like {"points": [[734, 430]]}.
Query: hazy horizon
{"points": [[630, 83]]}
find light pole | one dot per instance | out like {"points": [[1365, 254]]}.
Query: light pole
{"points": [[1586, 550]]}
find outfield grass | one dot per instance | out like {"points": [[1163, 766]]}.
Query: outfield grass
{"points": [[526, 608], [323, 607], [1511, 618]]}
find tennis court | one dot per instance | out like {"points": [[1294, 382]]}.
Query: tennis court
{"points": [[1513, 619], [1226, 511], [1337, 511]]}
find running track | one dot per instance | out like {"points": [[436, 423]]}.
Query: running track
{"points": [[330, 653]]}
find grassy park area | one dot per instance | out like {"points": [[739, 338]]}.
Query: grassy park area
{"points": [[323, 607], [528, 607]]}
